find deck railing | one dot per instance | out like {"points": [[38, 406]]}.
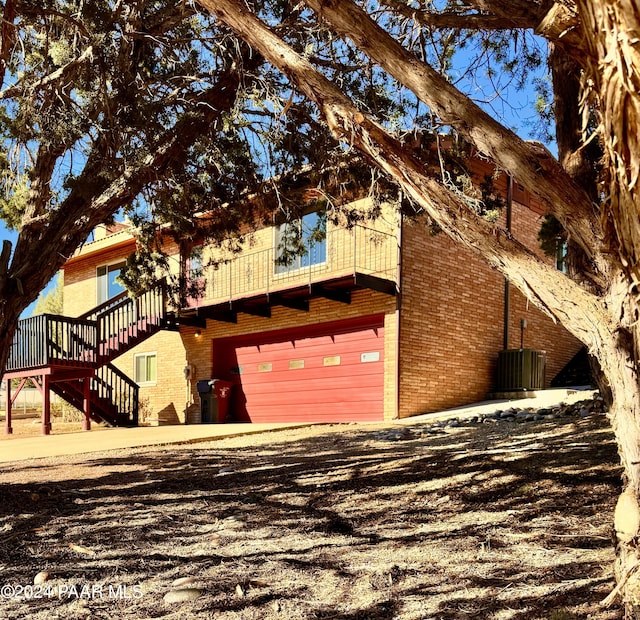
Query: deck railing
{"points": [[52, 339], [343, 252], [94, 338]]}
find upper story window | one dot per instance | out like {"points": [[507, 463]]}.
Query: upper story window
{"points": [[108, 287], [194, 278], [301, 243], [561, 255], [194, 264]]}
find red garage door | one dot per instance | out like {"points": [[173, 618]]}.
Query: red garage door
{"points": [[327, 373]]}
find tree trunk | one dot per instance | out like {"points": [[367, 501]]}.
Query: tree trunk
{"points": [[8, 324], [613, 54], [624, 413], [12, 303], [613, 65]]}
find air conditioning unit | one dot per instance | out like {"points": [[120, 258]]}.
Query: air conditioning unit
{"points": [[520, 369]]}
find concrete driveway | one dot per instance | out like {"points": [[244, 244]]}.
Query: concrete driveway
{"points": [[21, 449]]}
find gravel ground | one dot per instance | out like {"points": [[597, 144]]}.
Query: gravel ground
{"points": [[502, 517]]}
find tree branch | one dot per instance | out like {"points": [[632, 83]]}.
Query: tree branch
{"points": [[533, 167], [165, 20], [558, 23], [7, 32], [42, 11], [88, 204], [5, 255], [515, 9], [548, 288], [40, 186], [461, 20], [102, 189], [562, 27], [63, 73]]}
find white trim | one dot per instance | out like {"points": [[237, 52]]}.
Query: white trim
{"points": [[145, 355]]}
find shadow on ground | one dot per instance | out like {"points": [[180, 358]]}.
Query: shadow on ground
{"points": [[502, 521]]}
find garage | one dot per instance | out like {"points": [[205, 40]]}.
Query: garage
{"points": [[333, 372]]}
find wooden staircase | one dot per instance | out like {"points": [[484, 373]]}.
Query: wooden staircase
{"points": [[71, 351], [113, 396]]}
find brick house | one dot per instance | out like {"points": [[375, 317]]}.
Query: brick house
{"points": [[374, 322]]}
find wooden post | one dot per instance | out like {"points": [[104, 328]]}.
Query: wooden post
{"points": [[46, 406], [8, 430], [86, 404]]}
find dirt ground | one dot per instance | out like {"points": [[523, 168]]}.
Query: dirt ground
{"points": [[489, 521], [30, 426]]}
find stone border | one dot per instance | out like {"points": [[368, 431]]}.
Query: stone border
{"points": [[514, 415]]}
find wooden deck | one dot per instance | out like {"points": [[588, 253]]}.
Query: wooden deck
{"points": [[72, 357]]}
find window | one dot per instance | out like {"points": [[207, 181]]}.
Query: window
{"points": [[195, 284], [145, 368], [108, 287], [195, 264], [561, 255], [301, 243]]}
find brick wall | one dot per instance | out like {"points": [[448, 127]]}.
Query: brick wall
{"points": [[79, 276], [450, 324], [172, 399], [166, 400], [451, 320]]}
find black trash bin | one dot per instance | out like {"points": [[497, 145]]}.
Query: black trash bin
{"points": [[214, 400]]}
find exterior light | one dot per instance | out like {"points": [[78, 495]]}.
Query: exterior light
{"points": [[198, 333]]}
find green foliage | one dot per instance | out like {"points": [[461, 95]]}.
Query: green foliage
{"points": [[95, 87], [13, 202], [53, 301], [551, 232]]}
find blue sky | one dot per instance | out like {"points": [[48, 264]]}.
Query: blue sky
{"points": [[11, 235]]}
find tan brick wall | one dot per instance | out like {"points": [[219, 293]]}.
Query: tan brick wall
{"points": [[451, 324], [451, 320], [450, 327], [79, 277], [165, 401]]}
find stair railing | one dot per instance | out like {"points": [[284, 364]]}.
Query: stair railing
{"points": [[123, 321], [113, 385], [92, 315]]}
